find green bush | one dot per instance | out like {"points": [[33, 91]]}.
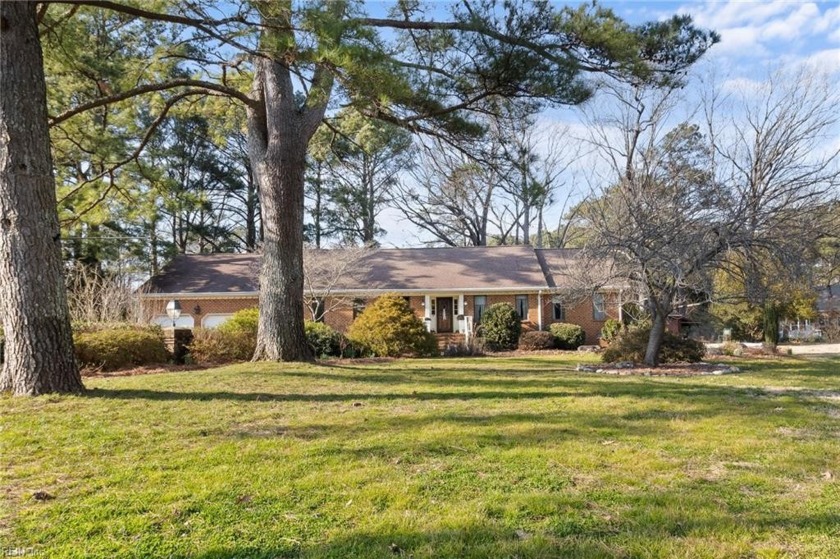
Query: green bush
{"points": [[536, 340], [323, 340], [610, 330], [631, 345], [244, 322], [500, 327], [568, 336], [120, 347], [389, 328]]}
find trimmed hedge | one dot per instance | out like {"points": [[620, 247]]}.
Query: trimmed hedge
{"points": [[389, 328], [120, 347], [536, 340], [631, 345], [568, 336], [500, 327]]}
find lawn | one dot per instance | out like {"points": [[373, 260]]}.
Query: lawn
{"points": [[509, 457]]}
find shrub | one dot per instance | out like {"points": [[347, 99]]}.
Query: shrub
{"points": [[735, 349], [323, 340], [610, 330], [244, 322], [568, 336], [500, 327], [234, 340], [536, 340], [119, 347], [389, 328], [216, 346], [631, 344]]}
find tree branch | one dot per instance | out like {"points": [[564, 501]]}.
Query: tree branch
{"points": [[143, 89]]}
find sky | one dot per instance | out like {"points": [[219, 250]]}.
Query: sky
{"points": [[757, 37]]}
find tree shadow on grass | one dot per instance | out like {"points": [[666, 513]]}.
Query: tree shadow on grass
{"points": [[169, 395]]}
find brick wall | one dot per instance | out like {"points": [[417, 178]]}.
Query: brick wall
{"points": [[341, 317], [157, 307]]}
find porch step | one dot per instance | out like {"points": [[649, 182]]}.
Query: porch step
{"points": [[450, 339]]}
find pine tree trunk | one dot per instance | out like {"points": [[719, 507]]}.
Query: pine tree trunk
{"points": [[277, 145], [33, 302]]}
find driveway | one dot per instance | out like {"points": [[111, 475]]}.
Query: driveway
{"points": [[812, 349]]}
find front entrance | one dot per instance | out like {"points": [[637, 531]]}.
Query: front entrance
{"points": [[444, 314]]}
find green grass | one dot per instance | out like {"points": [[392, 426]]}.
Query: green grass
{"points": [[518, 457]]}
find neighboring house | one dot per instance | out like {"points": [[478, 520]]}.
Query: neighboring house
{"points": [[449, 288]]}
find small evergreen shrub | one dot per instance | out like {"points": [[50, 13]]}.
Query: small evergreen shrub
{"points": [[568, 336], [500, 327], [118, 347], [536, 340], [610, 330], [631, 345], [323, 340], [389, 328]]}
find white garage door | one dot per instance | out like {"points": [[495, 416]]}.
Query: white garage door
{"points": [[214, 320]]}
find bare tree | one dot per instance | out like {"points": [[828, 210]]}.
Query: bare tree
{"points": [[775, 148], [661, 216], [496, 188], [450, 196], [538, 158], [326, 272], [101, 297], [680, 201]]}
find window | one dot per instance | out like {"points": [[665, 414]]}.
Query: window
{"points": [[479, 304], [434, 307], [358, 307], [559, 312], [522, 307], [455, 306], [599, 307]]}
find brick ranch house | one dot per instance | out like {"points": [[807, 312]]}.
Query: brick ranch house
{"points": [[448, 288]]}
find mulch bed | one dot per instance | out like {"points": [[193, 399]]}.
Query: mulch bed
{"points": [[664, 370]]}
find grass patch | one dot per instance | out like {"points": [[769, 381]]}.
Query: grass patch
{"points": [[514, 457]]}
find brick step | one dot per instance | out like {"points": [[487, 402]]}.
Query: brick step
{"points": [[449, 338]]}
